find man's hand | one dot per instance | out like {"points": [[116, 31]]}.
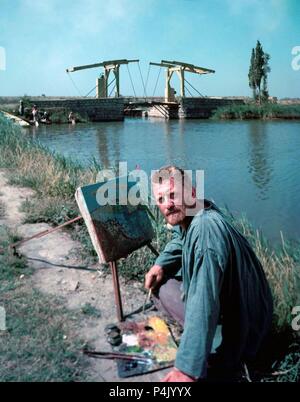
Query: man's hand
{"points": [[176, 375], [154, 277]]}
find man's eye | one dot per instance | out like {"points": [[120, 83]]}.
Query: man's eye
{"points": [[161, 200]]}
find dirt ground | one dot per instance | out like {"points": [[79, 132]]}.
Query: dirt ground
{"points": [[77, 287]]}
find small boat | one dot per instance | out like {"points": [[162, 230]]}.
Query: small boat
{"points": [[16, 119]]}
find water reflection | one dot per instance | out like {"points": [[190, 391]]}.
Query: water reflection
{"points": [[259, 163], [175, 143], [168, 142], [108, 141]]}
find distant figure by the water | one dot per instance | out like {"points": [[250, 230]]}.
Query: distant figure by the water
{"points": [[72, 118], [21, 108], [35, 115], [45, 118]]}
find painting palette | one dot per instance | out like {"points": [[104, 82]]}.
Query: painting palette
{"points": [[152, 339]]}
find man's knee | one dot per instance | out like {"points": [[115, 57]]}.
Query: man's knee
{"points": [[170, 301], [170, 291]]}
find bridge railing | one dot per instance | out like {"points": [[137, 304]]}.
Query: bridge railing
{"points": [[141, 99]]}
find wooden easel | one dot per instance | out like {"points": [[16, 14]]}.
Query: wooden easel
{"points": [[117, 291]]}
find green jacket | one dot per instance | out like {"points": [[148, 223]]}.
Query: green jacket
{"points": [[223, 281]]}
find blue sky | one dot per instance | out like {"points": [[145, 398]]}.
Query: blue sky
{"points": [[42, 38]]}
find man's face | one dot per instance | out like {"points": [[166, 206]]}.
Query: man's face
{"points": [[173, 199]]}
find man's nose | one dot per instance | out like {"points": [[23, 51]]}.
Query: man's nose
{"points": [[170, 203]]}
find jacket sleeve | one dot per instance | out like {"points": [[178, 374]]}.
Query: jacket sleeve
{"points": [[201, 314], [170, 259]]}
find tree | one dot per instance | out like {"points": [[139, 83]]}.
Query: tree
{"points": [[251, 74], [258, 73]]}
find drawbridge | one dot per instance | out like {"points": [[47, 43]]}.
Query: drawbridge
{"points": [[164, 105]]}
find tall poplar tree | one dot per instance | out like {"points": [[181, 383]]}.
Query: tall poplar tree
{"points": [[258, 73]]}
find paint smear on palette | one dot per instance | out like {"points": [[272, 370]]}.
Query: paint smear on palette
{"points": [[152, 339]]}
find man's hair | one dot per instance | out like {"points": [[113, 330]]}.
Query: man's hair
{"points": [[169, 172], [166, 172]]}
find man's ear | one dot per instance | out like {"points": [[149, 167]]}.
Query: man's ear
{"points": [[193, 192], [191, 197]]}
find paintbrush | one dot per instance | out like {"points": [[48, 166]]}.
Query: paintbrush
{"points": [[118, 356], [147, 300]]}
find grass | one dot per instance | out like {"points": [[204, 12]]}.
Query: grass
{"points": [[39, 343], [90, 310], [254, 111], [55, 179], [55, 210], [281, 266], [288, 369]]}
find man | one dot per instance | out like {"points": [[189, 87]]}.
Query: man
{"points": [[72, 118], [35, 115], [222, 282], [21, 108]]}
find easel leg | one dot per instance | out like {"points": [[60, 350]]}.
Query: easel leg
{"points": [[114, 270]]}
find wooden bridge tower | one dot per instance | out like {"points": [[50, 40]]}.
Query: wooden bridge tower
{"points": [[180, 68], [102, 81]]}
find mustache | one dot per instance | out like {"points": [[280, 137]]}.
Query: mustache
{"points": [[173, 211]]}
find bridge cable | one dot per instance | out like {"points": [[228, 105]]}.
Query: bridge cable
{"points": [[90, 91], [111, 83], [112, 90], [147, 76], [194, 88], [78, 90], [189, 92], [157, 81], [142, 80], [131, 80], [96, 87]]}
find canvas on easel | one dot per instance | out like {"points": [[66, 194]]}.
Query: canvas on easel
{"points": [[115, 230]]}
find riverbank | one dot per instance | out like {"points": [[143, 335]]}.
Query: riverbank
{"points": [[58, 116], [54, 180], [84, 109], [88, 109], [266, 111]]}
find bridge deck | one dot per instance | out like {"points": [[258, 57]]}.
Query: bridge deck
{"points": [[130, 101]]}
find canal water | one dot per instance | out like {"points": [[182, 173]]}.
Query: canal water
{"points": [[252, 167]]}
